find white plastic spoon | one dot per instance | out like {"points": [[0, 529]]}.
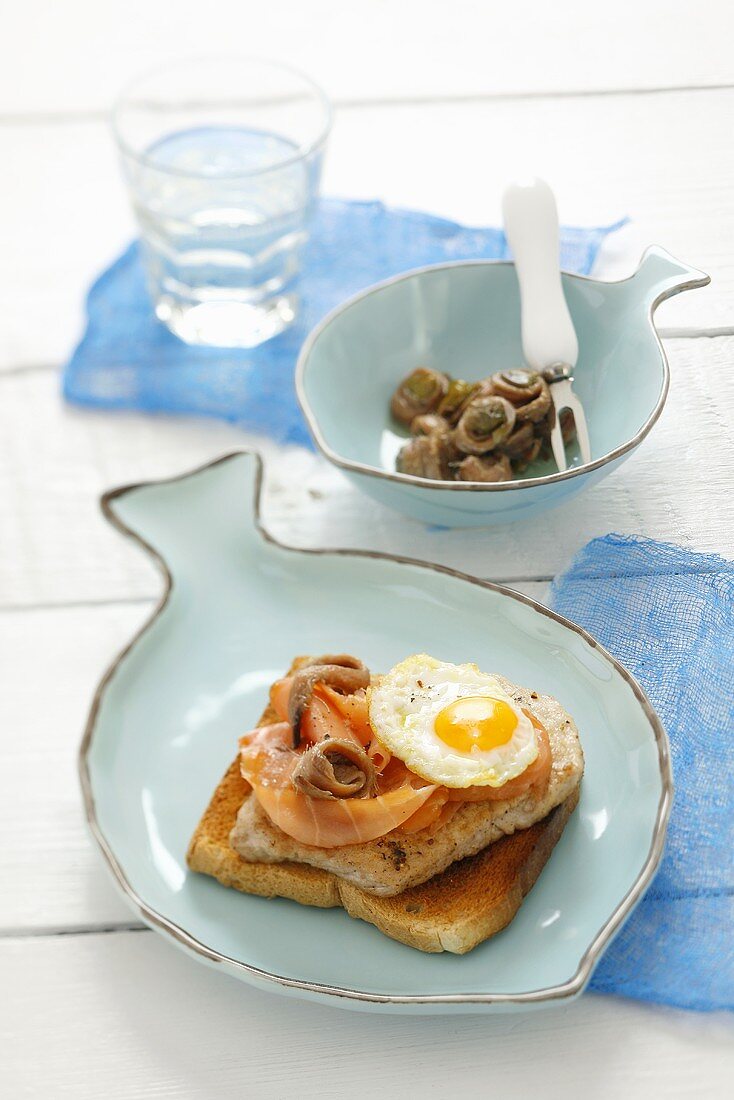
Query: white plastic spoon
{"points": [[548, 337]]}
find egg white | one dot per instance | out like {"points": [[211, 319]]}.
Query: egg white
{"points": [[403, 706]]}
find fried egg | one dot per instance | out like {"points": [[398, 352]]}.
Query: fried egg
{"points": [[451, 724]]}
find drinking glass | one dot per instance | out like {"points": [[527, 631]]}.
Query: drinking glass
{"points": [[222, 158]]}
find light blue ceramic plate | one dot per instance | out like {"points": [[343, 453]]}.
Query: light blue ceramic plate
{"points": [[237, 607], [464, 318]]}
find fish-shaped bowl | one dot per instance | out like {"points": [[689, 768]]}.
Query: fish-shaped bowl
{"points": [[236, 608], [464, 318]]}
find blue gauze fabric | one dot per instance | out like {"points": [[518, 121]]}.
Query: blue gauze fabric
{"points": [[668, 616], [129, 360]]}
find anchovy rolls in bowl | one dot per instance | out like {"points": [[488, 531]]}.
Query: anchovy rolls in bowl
{"points": [[416, 388]]}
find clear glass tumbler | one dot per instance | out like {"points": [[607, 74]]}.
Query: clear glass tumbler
{"points": [[223, 158]]}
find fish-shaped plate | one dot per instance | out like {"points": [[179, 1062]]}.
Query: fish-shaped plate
{"points": [[237, 606]]}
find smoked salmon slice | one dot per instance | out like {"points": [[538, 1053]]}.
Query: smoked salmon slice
{"points": [[267, 761], [344, 821], [353, 709]]}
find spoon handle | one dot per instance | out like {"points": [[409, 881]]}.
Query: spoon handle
{"points": [[531, 227]]}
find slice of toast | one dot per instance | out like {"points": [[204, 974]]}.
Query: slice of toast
{"points": [[470, 901]]}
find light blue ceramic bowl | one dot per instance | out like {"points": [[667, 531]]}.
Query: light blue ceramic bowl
{"points": [[237, 608], [464, 318]]}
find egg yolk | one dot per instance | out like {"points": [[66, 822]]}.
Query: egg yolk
{"points": [[475, 720]]}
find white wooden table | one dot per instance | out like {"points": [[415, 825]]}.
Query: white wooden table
{"points": [[627, 109]]}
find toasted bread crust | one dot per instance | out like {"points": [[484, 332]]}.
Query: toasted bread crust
{"points": [[210, 852], [471, 898]]}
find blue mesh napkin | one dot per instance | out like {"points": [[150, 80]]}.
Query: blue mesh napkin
{"points": [[668, 616], [129, 360]]}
